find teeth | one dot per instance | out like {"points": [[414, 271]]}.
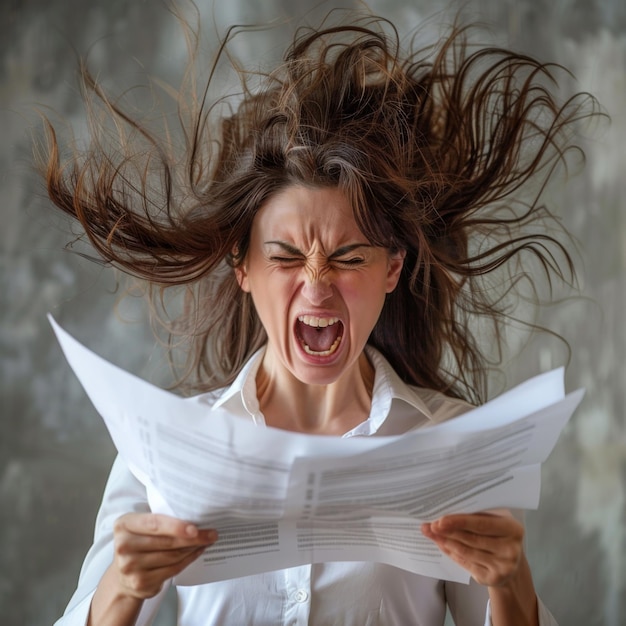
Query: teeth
{"points": [[325, 352], [318, 322]]}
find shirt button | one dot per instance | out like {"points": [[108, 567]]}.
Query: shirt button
{"points": [[301, 596]]}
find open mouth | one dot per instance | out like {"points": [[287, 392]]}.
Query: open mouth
{"points": [[319, 336]]}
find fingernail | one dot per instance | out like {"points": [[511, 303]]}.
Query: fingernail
{"points": [[191, 530]]}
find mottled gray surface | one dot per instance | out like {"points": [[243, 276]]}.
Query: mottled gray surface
{"points": [[54, 450]]}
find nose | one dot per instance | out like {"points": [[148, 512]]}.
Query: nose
{"points": [[316, 287]]}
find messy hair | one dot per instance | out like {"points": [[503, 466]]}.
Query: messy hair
{"points": [[443, 152]]}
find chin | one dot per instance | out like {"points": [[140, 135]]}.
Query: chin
{"points": [[319, 371], [318, 378]]}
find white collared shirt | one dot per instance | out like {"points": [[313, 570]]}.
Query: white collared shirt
{"points": [[337, 594]]}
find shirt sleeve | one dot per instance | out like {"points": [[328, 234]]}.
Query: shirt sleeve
{"points": [[545, 617], [123, 494], [468, 604]]}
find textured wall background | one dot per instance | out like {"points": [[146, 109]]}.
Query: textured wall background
{"points": [[54, 450]]}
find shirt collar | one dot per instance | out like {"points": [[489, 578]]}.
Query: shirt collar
{"points": [[241, 397], [242, 392], [388, 386]]}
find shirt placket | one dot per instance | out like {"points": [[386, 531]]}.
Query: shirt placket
{"points": [[298, 596]]}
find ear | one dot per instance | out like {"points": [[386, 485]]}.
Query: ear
{"points": [[394, 269], [241, 274]]}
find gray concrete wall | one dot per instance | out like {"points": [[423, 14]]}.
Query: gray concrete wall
{"points": [[54, 450]]}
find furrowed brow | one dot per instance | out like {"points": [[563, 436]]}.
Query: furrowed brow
{"points": [[289, 249], [339, 252]]}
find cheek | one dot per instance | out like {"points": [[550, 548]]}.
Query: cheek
{"points": [[272, 295], [365, 295]]}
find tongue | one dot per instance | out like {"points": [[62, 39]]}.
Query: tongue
{"points": [[319, 339]]}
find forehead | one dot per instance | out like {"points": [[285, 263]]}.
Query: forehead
{"points": [[304, 212]]}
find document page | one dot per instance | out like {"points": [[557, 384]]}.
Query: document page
{"points": [[280, 499]]}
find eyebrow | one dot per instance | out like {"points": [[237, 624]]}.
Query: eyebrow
{"points": [[339, 252]]}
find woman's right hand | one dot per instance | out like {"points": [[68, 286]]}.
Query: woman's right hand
{"points": [[149, 549]]}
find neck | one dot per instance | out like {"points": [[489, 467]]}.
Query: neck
{"points": [[332, 409]]}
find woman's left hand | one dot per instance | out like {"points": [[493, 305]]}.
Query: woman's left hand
{"points": [[488, 545]]}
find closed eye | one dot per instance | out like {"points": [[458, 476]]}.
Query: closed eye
{"points": [[286, 259], [350, 262]]}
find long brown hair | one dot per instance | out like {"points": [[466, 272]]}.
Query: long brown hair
{"points": [[432, 146]]}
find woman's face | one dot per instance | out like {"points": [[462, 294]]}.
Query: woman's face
{"points": [[317, 284]]}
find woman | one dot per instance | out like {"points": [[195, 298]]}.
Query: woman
{"points": [[334, 233]]}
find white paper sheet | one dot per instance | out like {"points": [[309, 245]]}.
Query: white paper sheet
{"points": [[280, 499]]}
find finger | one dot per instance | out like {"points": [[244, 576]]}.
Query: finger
{"points": [[157, 524], [487, 555], [130, 542], [484, 543], [486, 524], [148, 531], [479, 548], [486, 567], [146, 583], [476, 566], [130, 560]]}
